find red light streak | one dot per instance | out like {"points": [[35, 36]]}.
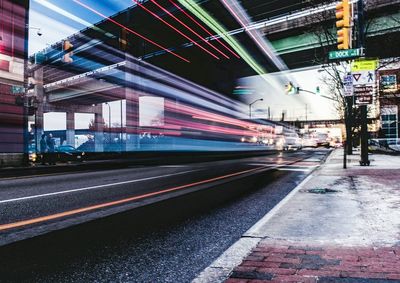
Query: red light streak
{"points": [[186, 26], [248, 127], [203, 28], [174, 28], [131, 31]]}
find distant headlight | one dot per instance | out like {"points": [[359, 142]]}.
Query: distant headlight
{"points": [[33, 156], [83, 153]]}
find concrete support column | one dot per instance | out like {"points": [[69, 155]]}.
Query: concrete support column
{"points": [[132, 112], [99, 129], [70, 128], [40, 101]]}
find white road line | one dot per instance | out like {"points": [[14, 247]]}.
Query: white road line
{"points": [[295, 169], [172, 166], [260, 164], [301, 166], [93, 187]]}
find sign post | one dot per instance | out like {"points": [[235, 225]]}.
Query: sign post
{"points": [[364, 80]]}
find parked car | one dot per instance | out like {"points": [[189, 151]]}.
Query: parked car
{"points": [[69, 153]]}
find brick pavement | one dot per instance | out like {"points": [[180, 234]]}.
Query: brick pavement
{"points": [[273, 261]]}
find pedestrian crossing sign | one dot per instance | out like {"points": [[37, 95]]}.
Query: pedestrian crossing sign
{"points": [[363, 78]]}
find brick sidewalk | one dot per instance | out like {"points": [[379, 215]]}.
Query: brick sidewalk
{"points": [[350, 235], [275, 261]]}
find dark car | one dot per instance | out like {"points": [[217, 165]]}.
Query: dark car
{"points": [[69, 153]]}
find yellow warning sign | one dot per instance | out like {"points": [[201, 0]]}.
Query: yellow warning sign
{"points": [[364, 65]]}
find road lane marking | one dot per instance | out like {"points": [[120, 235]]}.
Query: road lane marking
{"points": [[300, 165], [121, 201], [172, 166], [94, 187], [294, 169]]}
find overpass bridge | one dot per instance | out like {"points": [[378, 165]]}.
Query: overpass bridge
{"points": [[293, 28]]}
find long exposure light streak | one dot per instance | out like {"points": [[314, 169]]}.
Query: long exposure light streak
{"points": [[67, 14], [219, 29], [131, 31], [203, 28], [241, 16], [175, 29], [190, 29], [281, 19]]}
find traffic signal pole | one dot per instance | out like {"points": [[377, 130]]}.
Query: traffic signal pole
{"points": [[344, 39], [364, 112], [349, 124]]}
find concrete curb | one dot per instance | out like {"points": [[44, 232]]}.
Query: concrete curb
{"points": [[222, 267]]}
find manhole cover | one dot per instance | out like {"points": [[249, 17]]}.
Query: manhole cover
{"points": [[322, 191]]}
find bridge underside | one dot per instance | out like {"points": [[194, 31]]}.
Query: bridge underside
{"points": [[298, 47]]}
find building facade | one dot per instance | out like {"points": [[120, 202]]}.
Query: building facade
{"points": [[389, 100], [13, 48]]}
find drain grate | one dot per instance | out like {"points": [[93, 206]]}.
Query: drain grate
{"points": [[322, 191]]}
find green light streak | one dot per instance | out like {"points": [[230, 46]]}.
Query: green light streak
{"points": [[212, 23]]}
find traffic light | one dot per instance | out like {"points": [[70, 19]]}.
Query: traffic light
{"points": [[67, 49], [343, 21], [289, 88]]}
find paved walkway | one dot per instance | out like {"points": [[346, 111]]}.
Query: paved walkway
{"points": [[338, 226], [286, 261]]}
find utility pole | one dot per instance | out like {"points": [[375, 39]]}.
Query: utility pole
{"points": [[306, 113]]}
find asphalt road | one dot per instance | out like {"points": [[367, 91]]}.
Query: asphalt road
{"points": [[185, 216]]}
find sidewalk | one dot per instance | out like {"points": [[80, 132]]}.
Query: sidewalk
{"points": [[339, 225]]}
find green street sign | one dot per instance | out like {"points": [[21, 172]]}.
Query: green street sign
{"points": [[346, 54]]}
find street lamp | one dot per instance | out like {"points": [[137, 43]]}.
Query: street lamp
{"points": [[39, 30], [260, 99]]}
